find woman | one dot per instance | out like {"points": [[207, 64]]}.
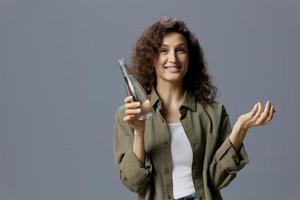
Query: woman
{"points": [[187, 149]]}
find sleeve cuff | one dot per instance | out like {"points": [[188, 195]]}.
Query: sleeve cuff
{"points": [[230, 159], [133, 168]]}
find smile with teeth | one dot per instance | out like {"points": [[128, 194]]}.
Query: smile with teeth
{"points": [[172, 69]]}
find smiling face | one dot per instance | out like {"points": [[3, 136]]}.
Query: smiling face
{"points": [[172, 61]]}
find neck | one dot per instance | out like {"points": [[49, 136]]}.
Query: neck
{"points": [[171, 94]]}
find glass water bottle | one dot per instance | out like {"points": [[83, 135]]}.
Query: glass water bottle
{"points": [[134, 89]]}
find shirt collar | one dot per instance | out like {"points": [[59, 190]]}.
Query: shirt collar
{"points": [[154, 98], [189, 99]]}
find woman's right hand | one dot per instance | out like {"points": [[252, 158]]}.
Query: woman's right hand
{"points": [[132, 110]]}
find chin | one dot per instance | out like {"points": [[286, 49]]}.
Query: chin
{"points": [[174, 79]]}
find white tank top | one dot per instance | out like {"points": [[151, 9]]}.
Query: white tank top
{"points": [[182, 158]]}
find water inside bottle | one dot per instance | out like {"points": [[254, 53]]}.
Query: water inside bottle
{"points": [[146, 110]]}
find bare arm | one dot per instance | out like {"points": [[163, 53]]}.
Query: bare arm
{"points": [[138, 145]]}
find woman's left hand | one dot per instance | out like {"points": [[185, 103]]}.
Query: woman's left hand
{"points": [[257, 116]]}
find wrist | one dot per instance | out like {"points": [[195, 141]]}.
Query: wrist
{"points": [[239, 132], [240, 127], [139, 131]]}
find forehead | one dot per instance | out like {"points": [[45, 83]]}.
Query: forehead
{"points": [[173, 39]]}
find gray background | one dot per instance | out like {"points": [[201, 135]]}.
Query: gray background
{"points": [[60, 86]]}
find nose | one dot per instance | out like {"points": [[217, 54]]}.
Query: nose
{"points": [[172, 57]]}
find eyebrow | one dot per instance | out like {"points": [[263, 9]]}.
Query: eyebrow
{"points": [[181, 44]]}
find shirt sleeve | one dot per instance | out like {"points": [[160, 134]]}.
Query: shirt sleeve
{"points": [[227, 161], [133, 173]]}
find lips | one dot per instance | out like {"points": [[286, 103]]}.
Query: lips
{"points": [[172, 69]]}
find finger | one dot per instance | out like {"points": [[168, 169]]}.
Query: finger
{"points": [[268, 106], [270, 113], [128, 99], [253, 111], [128, 118], [258, 112], [248, 116], [274, 111], [270, 117], [133, 105], [132, 111], [264, 115]]}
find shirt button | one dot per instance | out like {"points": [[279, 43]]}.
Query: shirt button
{"points": [[169, 196], [236, 160], [195, 145], [167, 170], [165, 142], [182, 111]]}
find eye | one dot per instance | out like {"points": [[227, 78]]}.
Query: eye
{"points": [[163, 50], [181, 50]]}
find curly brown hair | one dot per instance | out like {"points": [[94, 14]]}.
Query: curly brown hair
{"points": [[196, 80]]}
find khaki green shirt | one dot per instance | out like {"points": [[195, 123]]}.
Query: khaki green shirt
{"points": [[207, 126]]}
